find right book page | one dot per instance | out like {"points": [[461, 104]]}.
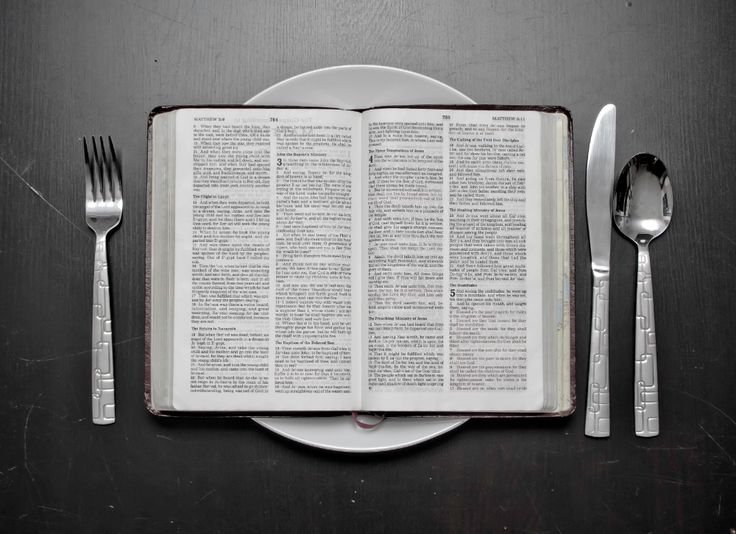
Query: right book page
{"points": [[458, 282]]}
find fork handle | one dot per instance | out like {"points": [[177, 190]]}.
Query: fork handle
{"points": [[598, 409], [646, 387], [103, 382]]}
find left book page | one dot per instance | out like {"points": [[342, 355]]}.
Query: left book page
{"points": [[266, 263]]}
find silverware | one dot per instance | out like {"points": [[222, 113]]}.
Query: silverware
{"points": [[103, 209], [642, 210], [598, 189]]}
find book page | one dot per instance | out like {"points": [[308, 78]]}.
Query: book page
{"points": [[454, 260], [267, 262]]}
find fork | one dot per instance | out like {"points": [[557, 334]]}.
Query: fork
{"points": [[103, 209]]}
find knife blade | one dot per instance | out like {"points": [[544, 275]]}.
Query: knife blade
{"points": [[599, 179]]}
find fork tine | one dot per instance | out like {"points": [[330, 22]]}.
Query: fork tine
{"points": [[96, 169], [87, 172], [117, 186], [105, 166]]}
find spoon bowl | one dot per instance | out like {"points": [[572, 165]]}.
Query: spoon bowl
{"points": [[642, 200], [642, 210]]}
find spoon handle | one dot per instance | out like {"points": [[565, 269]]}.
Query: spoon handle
{"points": [[598, 410], [646, 388]]}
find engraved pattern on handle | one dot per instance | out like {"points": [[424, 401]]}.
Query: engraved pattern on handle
{"points": [[598, 410], [646, 389], [103, 382]]}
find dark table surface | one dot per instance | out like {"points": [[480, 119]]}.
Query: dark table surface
{"points": [[75, 68]]}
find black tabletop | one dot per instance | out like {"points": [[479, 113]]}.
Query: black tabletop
{"points": [[76, 68]]}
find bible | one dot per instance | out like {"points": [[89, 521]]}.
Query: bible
{"points": [[412, 260]]}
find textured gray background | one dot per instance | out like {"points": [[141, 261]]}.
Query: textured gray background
{"points": [[75, 68]]}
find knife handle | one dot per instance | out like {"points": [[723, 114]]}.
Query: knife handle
{"points": [[646, 387], [598, 410]]}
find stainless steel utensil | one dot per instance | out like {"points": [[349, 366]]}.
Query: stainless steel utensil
{"points": [[103, 210], [642, 209], [598, 188]]}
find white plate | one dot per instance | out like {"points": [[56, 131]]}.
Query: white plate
{"points": [[356, 87]]}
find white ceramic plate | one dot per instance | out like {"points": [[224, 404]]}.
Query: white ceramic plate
{"points": [[356, 87]]}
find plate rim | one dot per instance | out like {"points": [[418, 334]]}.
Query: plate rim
{"points": [[368, 66]]}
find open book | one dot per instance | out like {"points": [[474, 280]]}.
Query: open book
{"points": [[411, 260]]}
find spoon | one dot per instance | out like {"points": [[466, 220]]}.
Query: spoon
{"points": [[642, 209]]}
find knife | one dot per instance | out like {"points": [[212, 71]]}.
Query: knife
{"points": [[598, 190]]}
